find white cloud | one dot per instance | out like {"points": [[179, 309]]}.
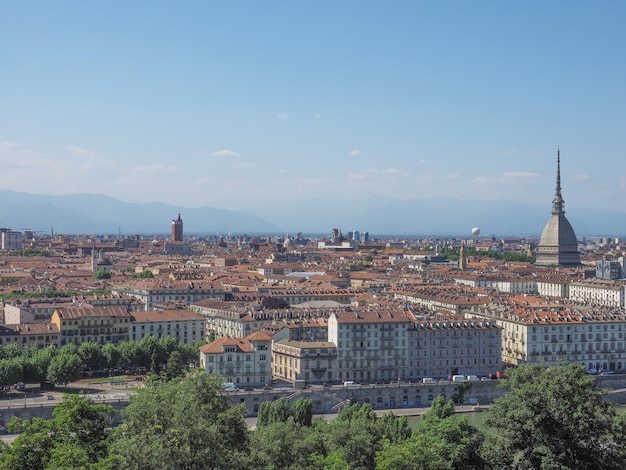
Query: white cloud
{"points": [[317, 116], [363, 175], [90, 159], [202, 181], [245, 165], [224, 153], [158, 168], [504, 178], [6, 145], [354, 153], [311, 181], [392, 171], [520, 174], [282, 116], [581, 177]]}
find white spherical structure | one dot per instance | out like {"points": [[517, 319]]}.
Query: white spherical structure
{"points": [[475, 231]]}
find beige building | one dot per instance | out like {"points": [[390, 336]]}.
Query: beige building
{"points": [[304, 362], [594, 337], [242, 361], [160, 290], [40, 335], [371, 343], [183, 325], [598, 292], [92, 324], [445, 348]]}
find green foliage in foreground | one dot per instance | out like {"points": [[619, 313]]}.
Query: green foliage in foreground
{"points": [[550, 419], [77, 436]]}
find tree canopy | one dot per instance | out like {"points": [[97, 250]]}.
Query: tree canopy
{"points": [[549, 419], [553, 418]]}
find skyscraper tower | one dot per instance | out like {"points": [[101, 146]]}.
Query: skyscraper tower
{"points": [[177, 229], [558, 245]]}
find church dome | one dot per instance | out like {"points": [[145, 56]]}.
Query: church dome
{"points": [[558, 232], [557, 244]]}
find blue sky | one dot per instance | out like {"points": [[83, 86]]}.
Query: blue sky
{"points": [[253, 105]]}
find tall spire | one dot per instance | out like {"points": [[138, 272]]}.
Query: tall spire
{"points": [[557, 202]]}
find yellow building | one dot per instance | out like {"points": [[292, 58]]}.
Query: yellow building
{"points": [[92, 324]]}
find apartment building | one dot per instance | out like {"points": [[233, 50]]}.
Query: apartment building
{"points": [[447, 298], [551, 334], [183, 325], [160, 290], [242, 361], [40, 310], [18, 311], [303, 362], [554, 286], [371, 343], [446, 348], [598, 292], [34, 334], [92, 324], [295, 296], [511, 283], [239, 319]]}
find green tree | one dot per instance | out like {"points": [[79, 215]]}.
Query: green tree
{"points": [[149, 348], [78, 421], [280, 411], [146, 274], [101, 274], [11, 370], [64, 368], [175, 367], [76, 437], [264, 413], [110, 355], [190, 352], [286, 445], [188, 424], [91, 355], [36, 366], [553, 418], [130, 354], [442, 441], [11, 351], [68, 349], [302, 411], [354, 434]]}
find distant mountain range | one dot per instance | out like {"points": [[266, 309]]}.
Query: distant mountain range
{"points": [[99, 214]]}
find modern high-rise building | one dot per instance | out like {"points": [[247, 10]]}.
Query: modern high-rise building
{"points": [[558, 245], [177, 229], [10, 239]]}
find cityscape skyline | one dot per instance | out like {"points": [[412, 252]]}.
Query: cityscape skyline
{"points": [[250, 107]]}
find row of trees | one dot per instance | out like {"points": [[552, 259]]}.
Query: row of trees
{"points": [[511, 256], [550, 419], [66, 364]]}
